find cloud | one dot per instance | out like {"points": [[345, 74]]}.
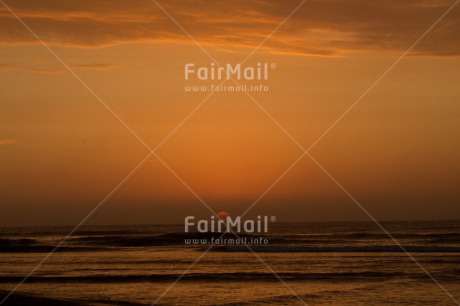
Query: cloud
{"points": [[8, 67], [8, 141], [95, 66], [320, 27], [92, 66]]}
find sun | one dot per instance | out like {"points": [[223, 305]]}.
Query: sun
{"points": [[222, 214]]}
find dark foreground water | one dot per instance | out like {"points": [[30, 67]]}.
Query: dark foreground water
{"points": [[323, 263]]}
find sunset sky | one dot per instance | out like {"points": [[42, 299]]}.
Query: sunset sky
{"points": [[62, 151]]}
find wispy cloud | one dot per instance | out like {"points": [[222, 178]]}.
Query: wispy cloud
{"points": [[95, 66], [8, 67], [8, 141], [320, 27], [41, 70]]}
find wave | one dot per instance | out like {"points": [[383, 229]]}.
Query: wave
{"points": [[237, 276], [175, 238], [178, 238], [336, 242], [369, 235], [16, 242], [108, 243], [20, 298], [46, 249], [338, 249]]}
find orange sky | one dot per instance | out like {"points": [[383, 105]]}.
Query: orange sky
{"points": [[62, 151]]}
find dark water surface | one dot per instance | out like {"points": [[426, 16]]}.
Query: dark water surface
{"points": [[323, 263]]}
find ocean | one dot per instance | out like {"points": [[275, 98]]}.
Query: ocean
{"points": [[350, 263]]}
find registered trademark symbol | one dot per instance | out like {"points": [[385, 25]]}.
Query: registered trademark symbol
{"points": [[272, 218], [273, 66]]}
